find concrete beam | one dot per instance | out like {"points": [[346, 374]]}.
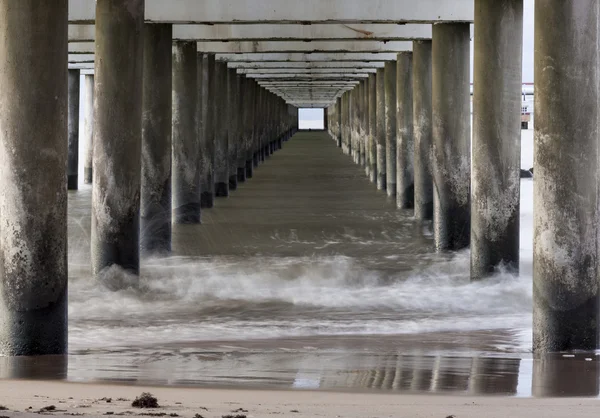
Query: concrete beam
{"points": [[281, 32], [308, 57], [244, 47], [331, 76], [318, 64], [291, 11], [253, 71]]}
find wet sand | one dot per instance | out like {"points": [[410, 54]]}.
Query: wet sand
{"points": [[25, 399]]}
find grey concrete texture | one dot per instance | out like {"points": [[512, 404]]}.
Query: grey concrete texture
{"points": [[390, 127], [365, 155], [451, 135], [381, 132], [73, 131], [88, 128], [405, 149], [372, 142], [207, 140], [495, 193], [221, 131], [156, 199], [565, 248], [117, 140], [233, 142], [33, 158], [186, 143], [422, 130]]}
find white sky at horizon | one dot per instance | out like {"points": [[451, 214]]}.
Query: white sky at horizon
{"points": [[528, 29]]}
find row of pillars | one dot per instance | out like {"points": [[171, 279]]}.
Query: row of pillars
{"points": [[409, 125], [170, 129]]}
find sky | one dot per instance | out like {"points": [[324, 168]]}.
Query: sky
{"points": [[311, 117]]}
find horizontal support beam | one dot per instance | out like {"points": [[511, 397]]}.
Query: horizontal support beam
{"points": [[280, 32], [308, 57], [305, 71], [312, 64], [278, 46], [291, 11], [331, 76]]}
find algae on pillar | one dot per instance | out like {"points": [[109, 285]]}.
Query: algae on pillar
{"points": [[405, 150], [88, 128], [495, 198], [566, 309], [117, 140], [155, 228], [73, 158], [451, 135], [33, 158], [422, 128]]}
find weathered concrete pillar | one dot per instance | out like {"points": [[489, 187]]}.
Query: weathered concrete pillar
{"points": [[422, 128], [242, 129], [496, 136], [565, 249], [222, 115], [381, 133], [232, 128], [117, 138], [33, 157], [366, 129], [451, 135], [390, 127], [405, 151], [372, 148], [345, 120], [339, 122], [186, 144], [207, 141], [155, 220], [73, 136], [88, 128], [250, 99]]}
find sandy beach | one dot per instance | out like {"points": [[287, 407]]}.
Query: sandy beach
{"points": [[27, 398]]}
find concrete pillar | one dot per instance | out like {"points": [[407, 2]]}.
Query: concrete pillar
{"points": [[73, 155], [33, 157], [339, 126], [186, 144], [381, 133], [422, 128], [496, 136], [325, 120], [222, 115], [366, 128], [207, 141], [117, 139], [372, 148], [345, 120], [155, 219], [250, 98], [405, 151], [390, 127], [451, 135], [88, 128], [565, 249], [242, 129], [232, 128]]}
